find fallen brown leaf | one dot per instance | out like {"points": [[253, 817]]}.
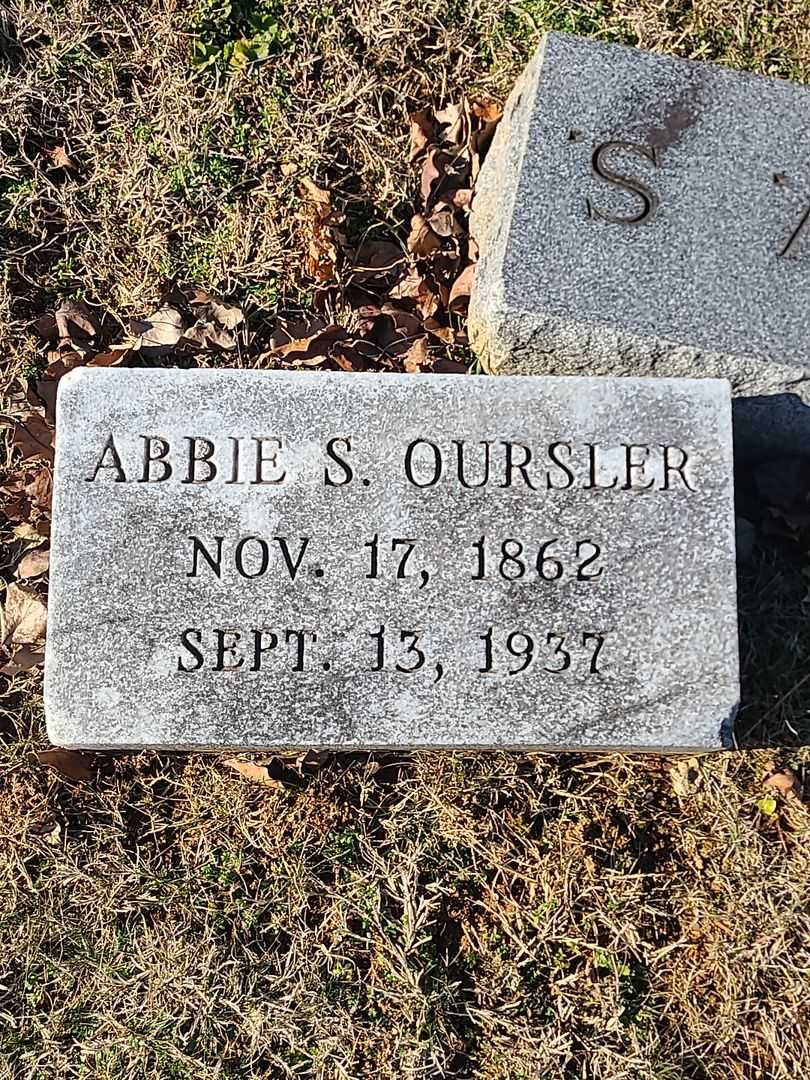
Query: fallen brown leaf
{"points": [[25, 616], [50, 831], [422, 240], [685, 776], [377, 262], [39, 492], [311, 346], [207, 335], [308, 189], [452, 118], [116, 355], [163, 329], [206, 308], [786, 783], [34, 563], [59, 158], [24, 531], [421, 132], [70, 763], [257, 773], [319, 223], [460, 291], [33, 437], [23, 659], [432, 171], [28, 502], [77, 326], [416, 358]]}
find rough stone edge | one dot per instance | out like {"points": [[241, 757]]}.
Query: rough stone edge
{"points": [[517, 342], [491, 215], [69, 387], [351, 748]]}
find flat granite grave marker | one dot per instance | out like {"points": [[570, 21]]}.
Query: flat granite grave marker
{"points": [[276, 559], [643, 215]]}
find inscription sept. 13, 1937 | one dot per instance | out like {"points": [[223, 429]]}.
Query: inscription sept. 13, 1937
{"points": [[425, 463]]}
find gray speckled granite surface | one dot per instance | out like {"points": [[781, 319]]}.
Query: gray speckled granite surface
{"points": [[659, 595], [715, 281]]}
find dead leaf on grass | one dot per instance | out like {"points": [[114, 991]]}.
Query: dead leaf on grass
{"points": [[50, 831], [312, 759], [207, 309], [786, 783], [31, 437], [416, 358], [59, 158], [422, 240], [76, 325], [208, 336], [256, 773], [34, 563], [421, 133], [311, 347], [25, 616], [451, 118], [319, 223], [378, 263], [39, 492], [308, 189], [23, 659], [161, 330], [24, 531], [685, 777], [69, 763], [114, 357], [460, 291], [28, 501]]}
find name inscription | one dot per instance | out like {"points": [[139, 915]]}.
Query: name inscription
{"points": [[423, 463]]}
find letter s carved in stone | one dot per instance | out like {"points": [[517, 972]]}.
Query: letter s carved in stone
{"points": [[649, 199]]}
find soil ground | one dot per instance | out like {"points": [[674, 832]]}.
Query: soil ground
{"points": [[509, 917]]}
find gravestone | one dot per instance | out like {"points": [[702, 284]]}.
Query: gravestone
{"points": [[277, 559], [643, 215]]}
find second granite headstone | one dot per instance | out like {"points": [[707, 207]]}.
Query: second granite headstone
{"points": [[643, 215]]}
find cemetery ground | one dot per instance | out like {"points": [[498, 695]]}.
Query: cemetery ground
{"points": [[337, 916]]}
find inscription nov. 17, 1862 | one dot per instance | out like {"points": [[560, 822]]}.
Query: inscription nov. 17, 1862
{"points": [[275, 559]]}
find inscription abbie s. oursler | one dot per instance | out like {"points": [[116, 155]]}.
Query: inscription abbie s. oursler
{"points": [[360, 560], [261, 460], [425, 463]]}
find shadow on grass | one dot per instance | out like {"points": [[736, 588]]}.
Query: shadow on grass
{"points": [[774, 620]]}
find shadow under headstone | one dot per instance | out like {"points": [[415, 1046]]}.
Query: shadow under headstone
{"points": [[773, 588], [769, 426]]}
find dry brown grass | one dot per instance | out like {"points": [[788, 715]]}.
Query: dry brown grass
{"points": [[430, 916], [482, 915]]}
